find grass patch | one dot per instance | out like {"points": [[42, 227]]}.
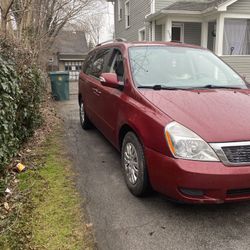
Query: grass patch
{"points": [[51, 215]]}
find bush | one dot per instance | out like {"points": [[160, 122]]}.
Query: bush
{"points": [[21, 89]]}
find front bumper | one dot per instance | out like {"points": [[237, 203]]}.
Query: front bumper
{"points": [[217, 182]]}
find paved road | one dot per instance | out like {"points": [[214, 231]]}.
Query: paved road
{"points": [[122, 221]]}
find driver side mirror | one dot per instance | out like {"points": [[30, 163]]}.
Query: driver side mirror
{"points": [[110, 80]]}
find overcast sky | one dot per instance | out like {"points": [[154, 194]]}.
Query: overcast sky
{"points": [[108, 27]]}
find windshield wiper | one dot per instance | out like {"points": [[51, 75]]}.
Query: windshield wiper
{"points": [[159, 87], [210, 86]]}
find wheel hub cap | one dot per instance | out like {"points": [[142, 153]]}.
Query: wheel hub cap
{"points": [[82, 112], [131, 163]]}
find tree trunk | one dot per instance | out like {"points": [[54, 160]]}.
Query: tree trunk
{"points": [[5, 6], [3, 24]]}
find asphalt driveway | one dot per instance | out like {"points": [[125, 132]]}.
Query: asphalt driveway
{"points": [[122, 221]]}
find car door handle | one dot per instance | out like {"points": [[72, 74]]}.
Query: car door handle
{"points": [[96, 91]]}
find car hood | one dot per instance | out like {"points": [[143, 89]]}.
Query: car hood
{"points": [[215, 115]]}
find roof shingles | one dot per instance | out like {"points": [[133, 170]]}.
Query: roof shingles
{"points": [[194, 5], [70, 42]]}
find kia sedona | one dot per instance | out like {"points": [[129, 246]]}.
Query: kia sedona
{"points": [[178, 115]]}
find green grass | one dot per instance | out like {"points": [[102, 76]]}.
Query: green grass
{"points": [[51, 217]]}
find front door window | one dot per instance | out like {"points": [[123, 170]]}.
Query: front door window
{"points": [[178, 33]]}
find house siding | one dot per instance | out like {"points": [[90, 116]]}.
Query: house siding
{"points": [[192, 33], [138, 10], [241, 6], [158, 32], [160, 4], [241, 64]]}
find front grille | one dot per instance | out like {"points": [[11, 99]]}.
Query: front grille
{"points": [[245, 191], [237, 154]]}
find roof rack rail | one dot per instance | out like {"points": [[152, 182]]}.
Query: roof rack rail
{"points": [[118, 39]]}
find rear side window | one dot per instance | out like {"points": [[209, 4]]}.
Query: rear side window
{"points": [[88, 63], [96, 66]]}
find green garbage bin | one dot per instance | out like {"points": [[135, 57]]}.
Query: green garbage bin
{"points": [[60, 85]]}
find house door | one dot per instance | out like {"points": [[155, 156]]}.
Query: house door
{"points": [[178, 32]]}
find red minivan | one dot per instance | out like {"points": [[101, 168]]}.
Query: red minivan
{"points": [[177, 113]]}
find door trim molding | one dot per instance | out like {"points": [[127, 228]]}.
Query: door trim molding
{"points": [[181, 26]]}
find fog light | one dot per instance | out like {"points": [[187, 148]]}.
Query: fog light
{"points": [[191, 192]]}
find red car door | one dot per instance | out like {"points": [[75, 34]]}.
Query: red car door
{"points": [[85, 85], [95, 92], [110, 97]]}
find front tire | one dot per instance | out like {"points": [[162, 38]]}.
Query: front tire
{"points": [[84, 120], [134, 165]]}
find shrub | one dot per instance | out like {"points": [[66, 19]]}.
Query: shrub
{"points": [[21, 88]]}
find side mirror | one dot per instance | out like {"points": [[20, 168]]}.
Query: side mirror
{"points": [[110, 80]]}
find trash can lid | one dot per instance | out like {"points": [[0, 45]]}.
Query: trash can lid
{"points": [[59, 73]]}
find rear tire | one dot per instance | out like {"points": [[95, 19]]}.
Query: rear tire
{"points": [[134, 166], [84, 120]]}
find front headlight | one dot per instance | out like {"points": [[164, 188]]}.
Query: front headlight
{"points": [[185, 144]]}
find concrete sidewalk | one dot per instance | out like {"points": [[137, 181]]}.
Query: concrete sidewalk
{"points": [[73, 89]]}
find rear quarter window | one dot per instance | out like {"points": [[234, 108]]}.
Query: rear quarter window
{"points": [[88, 62], [95, 64]]}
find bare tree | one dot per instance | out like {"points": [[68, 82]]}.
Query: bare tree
{"points": [[92, 23], [38, 22], [94, 26], [5, 6]]}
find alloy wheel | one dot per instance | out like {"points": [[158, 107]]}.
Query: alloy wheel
{"points": [[131, 163], [82, 113]]}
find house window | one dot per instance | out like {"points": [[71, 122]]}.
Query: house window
{"points": [[236, 37], [142, 34], [127, 14], [119, 8], [178, 32]]}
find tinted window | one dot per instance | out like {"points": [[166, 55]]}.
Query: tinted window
{"points": [[98, 64], [88, 63]]}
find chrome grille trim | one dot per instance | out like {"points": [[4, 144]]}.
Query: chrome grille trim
{"points": [[218, 148]]}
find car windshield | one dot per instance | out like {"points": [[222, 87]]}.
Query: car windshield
{"points": [[180, 67]]}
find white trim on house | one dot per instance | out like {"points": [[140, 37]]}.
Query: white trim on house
{"points": [[163, 13], [127, 14], [153, 30], [182, 19], [236, 15], [223, 6], [168, 30], [219, 35], [204, 34], [140, 35], [119, 10], [152, 7], [181, 26]]}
